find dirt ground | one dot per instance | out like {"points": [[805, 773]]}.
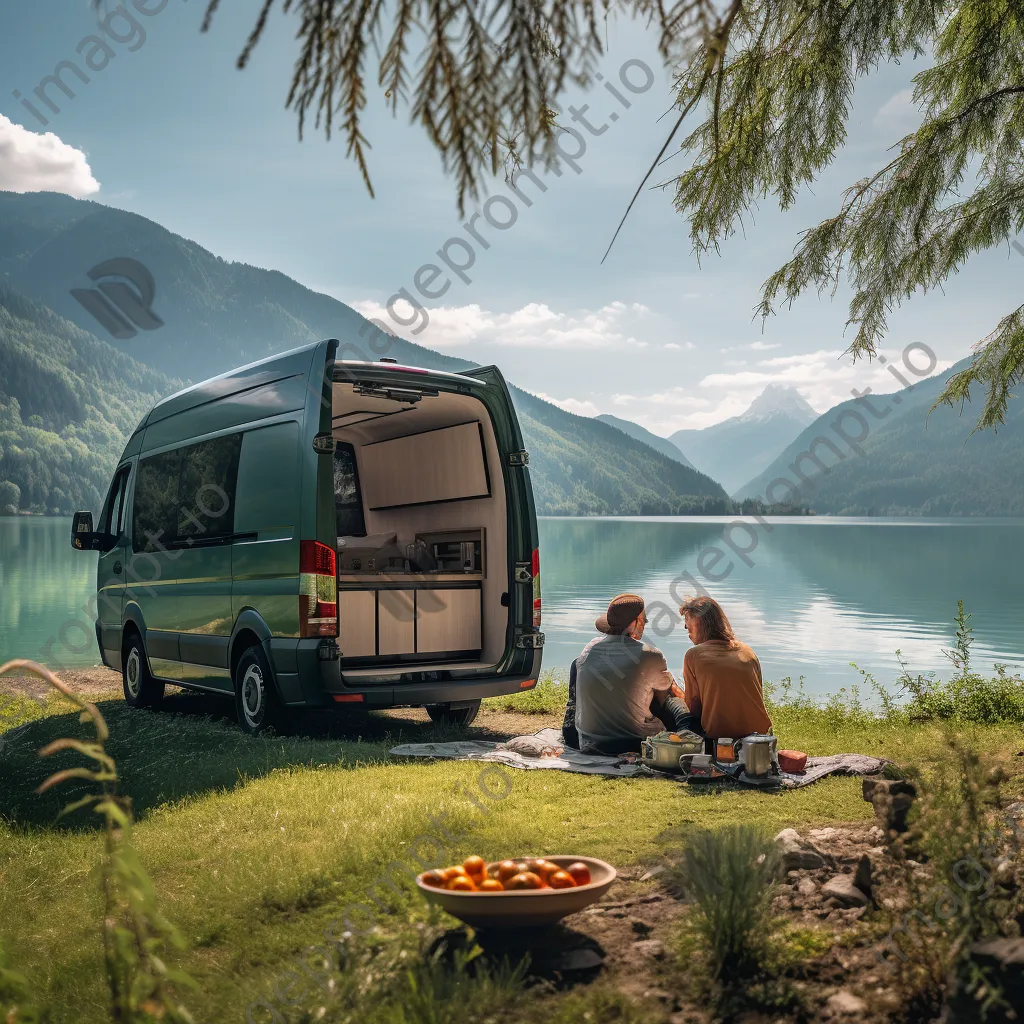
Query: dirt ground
{"points": [[101, 683]]}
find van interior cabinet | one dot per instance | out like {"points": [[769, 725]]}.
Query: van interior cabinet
{"points": [[447, 620], [396, 622], [424, 615], [357, 623]]}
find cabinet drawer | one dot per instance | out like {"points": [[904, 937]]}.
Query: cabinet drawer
{"points": [[447, 620], [396, 622], [357, 623]]}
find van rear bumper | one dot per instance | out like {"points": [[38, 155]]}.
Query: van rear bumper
{"points": [[317, 683]]}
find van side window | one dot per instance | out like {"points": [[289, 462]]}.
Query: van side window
{"points": [[206, 494], [112, 520], [187, 495], [348, 501], [155, 513]]}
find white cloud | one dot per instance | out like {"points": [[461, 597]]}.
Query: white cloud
{"points": [[572, 405], [30, 162], [899, 113], [673, 347], [535, 325], [825, 378], [764, 346]]}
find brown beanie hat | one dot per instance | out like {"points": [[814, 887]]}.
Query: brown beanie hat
{"points": [[621, 612]]}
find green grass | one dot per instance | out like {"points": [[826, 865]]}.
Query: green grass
{"points": [[257, 845], [548, 697]]}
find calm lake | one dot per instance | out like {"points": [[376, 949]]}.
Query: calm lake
{"points": [[821, 592]]}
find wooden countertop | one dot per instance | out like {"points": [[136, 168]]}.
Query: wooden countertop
{"points": [[370, 578]]}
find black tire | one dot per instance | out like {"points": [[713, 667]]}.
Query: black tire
{"points": [[460, 717], [141, 690], [256, 702]]}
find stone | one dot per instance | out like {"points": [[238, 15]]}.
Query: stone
{"points": [[650, 947], [845, 1002], [652, 873], [875, 834], [892, 800], [1002, 960], [823, 834], [807, 886], [640, 927], [842, 889], [797, 854], [862, 877]]}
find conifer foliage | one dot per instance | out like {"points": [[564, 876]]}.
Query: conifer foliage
{"points": [[770, 83]]}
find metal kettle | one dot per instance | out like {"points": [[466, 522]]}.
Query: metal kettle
{"points": [[757, 753]]}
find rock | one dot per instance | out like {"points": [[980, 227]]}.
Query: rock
{"points": [[650, 947], [652, 873], [640, 927], [875, 834], [841, 888], [823, 834], [1002, 960], [845, 1002], [862, 877], [797, 854], [892, 800], [807, 887], [1004, 873]]}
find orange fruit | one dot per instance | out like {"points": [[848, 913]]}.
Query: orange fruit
{"points": [[542, 867], [435, 879], [475, 866], [506, 869], [522, 866], [491, 885], [580, 873], [461, 883], [519, 881], [450, 873], [561, 880]]}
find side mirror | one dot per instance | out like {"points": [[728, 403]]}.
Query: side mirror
{"points": [[83, 538], [325, 444]]}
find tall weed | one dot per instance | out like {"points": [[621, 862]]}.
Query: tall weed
{"points": [[730, 876], [135, 932]]}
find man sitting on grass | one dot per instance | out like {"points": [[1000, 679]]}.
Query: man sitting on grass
{"points": [[620, 689]]}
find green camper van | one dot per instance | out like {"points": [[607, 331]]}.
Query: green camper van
{"points": [[311, 532]]}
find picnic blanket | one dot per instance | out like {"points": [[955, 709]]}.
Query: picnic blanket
{"points": [[599, 764]]}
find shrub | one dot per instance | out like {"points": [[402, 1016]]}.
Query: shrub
{"points": [[729, 874]]}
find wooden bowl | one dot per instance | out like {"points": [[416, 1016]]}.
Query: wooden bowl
{"points": [[524, 908]]}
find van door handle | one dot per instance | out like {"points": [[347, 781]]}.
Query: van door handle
{"points": [[117, 568]]}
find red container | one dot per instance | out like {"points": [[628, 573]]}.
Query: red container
{"points": [[792, 760]]}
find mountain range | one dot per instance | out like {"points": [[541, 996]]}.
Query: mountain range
{"points": [[638, 433], [909, 461], [68, 399], [736, 449]]}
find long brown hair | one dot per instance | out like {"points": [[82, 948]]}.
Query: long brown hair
{"points": [[712, 622]]}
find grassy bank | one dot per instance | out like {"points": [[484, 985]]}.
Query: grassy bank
{"points": [[258, 846]]}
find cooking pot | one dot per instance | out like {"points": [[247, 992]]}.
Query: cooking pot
{"points": [[757, 753], [663, 752]]}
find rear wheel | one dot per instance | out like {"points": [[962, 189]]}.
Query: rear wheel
{"points": [[461, 717], [255, 697], [141, 690]]}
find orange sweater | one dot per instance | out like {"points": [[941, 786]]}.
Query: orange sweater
{"points": [[722, 685]]}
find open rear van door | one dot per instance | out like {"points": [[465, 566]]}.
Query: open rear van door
{"points": [[523, 534]]}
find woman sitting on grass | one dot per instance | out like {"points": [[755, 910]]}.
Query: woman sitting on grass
{"points": [[722, 683]]}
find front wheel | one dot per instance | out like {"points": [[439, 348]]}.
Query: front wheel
{"points": [[460, 717], [255, 696], [141, 690]]}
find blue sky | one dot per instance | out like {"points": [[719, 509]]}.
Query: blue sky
{"points": [[174, 132]]}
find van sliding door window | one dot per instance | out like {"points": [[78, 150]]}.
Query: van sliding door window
{"points": [[348, 502], [206, 494]]}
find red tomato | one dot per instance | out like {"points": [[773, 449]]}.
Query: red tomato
{"points": [[580, 873], [561, 880]]}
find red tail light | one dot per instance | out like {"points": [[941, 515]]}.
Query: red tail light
{"points": [[318, 589], [535, 569]]}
